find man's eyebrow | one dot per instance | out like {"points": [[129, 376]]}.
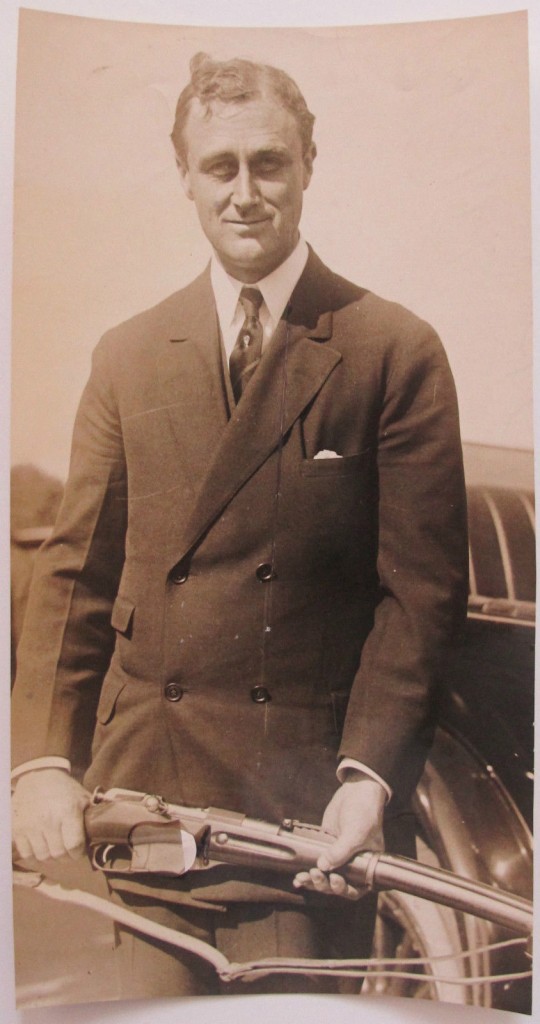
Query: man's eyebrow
{"points": [[271, 151]]}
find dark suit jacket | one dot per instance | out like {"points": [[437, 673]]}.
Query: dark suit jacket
{"points": [[367, 552]]}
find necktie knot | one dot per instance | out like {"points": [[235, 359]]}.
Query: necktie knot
{"points": [[251, 301]]}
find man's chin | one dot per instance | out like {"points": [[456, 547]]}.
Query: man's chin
{"points": [[247, 259]]}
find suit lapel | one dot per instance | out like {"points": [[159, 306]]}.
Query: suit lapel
{"points": [[293, 369], [191, 379]]}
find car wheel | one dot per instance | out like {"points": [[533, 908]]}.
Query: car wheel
{"points": [[411, 928]]}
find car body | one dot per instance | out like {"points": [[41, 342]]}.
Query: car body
{"points": [[474, 804]]}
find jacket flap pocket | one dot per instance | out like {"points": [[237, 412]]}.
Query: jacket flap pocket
{"points": [[112, 688], [122, 614]]}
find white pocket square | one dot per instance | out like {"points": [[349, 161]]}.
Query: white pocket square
{"points": [[327, 454]]}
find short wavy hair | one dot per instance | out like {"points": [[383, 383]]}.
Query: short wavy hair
{"points": [[237, 81]]}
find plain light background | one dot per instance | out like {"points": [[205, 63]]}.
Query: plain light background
{"points": [[285, 1009], [420, 192]]}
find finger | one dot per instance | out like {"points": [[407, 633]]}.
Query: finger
{"points": [[340, 887], [77, 851], [321, 882], [307, 880], [338, 884], [23, 848], [341, 851], [55, 842], [38, 845], [84, 798], [334, 884], [73, 837], [314, 880], [301, 878], [302, 881]]}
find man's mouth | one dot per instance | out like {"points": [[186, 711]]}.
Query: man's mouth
{"points": [[248, 223]]}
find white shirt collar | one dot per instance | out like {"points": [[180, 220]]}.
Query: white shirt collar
{"points": [[276, 288]]}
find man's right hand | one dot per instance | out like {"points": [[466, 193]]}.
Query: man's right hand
{"points": [[48, 806]]}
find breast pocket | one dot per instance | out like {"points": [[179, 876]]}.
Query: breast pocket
{"points": [[337, 466], [328, 519]]}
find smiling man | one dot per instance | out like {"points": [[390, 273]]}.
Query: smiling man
{"points": [[246, 169], [259, 562]]}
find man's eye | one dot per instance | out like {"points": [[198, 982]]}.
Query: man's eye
{"points": [[223, 172], [269, 165]]}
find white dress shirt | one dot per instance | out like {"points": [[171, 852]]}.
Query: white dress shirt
{"points": [[276, 290]]}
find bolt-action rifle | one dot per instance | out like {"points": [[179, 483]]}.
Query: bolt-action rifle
{"points": [[138, 833], [133, 833]]}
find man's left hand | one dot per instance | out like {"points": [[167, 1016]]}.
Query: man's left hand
{"points": [[354, 816]]}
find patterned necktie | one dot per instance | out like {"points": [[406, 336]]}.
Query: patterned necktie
{"points": [[246, 353]]}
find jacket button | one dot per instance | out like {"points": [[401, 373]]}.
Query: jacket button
{"points": [[264, 572], [173, 692], [260, 695], [179, 574]]}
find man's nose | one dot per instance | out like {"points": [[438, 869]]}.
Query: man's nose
{"points": [[246, 192]]}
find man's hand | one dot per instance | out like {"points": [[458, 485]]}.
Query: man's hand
{"points": [[48, 806], [354, 815]]}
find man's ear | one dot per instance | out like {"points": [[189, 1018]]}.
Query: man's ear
{"points": [[184, 177], [308, 159]]}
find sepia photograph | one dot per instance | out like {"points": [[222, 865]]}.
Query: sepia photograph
{"points": [[272, 512]]}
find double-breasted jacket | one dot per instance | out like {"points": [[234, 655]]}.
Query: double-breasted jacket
{"points": [[218, 612]]}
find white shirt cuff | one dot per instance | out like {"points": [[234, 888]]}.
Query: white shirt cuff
{"points": [[41, 762], [348, 764]]}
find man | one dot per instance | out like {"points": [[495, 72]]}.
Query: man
{"points": [[266, 504]]}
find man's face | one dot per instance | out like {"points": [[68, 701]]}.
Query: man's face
{"points": [[246, 173]]}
